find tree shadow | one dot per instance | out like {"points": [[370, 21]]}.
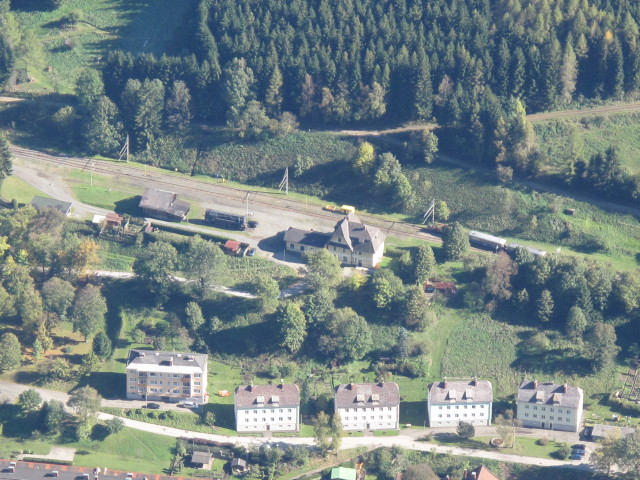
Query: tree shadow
{"points": [[108, 384], [225, 417], [129, 206], [414, 413], [99, 433]]}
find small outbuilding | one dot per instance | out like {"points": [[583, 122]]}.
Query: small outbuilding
{"points": [[238, 466], [600, 432], [42, 203], [343, 473], [202, 460], [164, 205]]}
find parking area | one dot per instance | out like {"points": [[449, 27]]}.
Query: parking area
{"points": [[39, 471]]}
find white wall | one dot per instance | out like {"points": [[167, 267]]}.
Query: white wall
{"points": [[553, 417], [363, 418], [262, 419], [450, 414]]}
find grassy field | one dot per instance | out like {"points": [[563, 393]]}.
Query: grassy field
{"points": [[135, 25], [13, 187], [592, 134]]}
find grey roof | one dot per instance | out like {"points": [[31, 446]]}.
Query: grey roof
{"points": [[281, 395], [357, 235], [367, 394], [466, 391], [201, 457], [304, 237], [238, 462], [603, 431], [40, 203], [550, 393], [164, 201], [166, 359]]}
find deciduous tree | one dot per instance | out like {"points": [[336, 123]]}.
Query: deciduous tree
{"points": [[323, 269], [465, 430], [57, 296], [268, 292], [86, 401], [386, 288], [88, 311], [292, 326], [29, 401], [203, 262], [193, 316], [177, 109], [6, 159], [155, 267]]}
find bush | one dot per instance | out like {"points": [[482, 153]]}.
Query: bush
{"points": [[67, 349], [114, 425], [543, 442]]}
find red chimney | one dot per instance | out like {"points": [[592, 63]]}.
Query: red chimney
{"points": [[474, 475], [565, 387], [445, 384]]}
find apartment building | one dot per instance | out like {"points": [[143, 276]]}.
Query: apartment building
{"points": [[166, 376], [449, 403], [368, 406], [550, 406], [264, 408]]}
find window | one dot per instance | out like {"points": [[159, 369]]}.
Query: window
{"points": [[302, 248], [544, 409], [527, 407], [482, 414], [543, 416], [526, 414], [456, 415], [196, 383], [154, 382], [280, 419], [152, 374], [197, 375], [535, 415], [473, 406], [289, 418], [289, 410], [535, 408], [448, 415], [175, 375]]}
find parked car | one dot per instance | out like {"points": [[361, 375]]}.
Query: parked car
{"points": [[253, 224], [251, 252], [579, 446], [190, 404], [152, 406], [578, 451], [575, 456]]}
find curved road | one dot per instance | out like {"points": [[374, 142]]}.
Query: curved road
{"points": [[10, 391]]}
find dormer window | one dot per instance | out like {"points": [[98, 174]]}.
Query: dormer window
{"points": [[375, 398], [360, 398], [539, 396], [260, 400], [275, 399], [339, 239]]}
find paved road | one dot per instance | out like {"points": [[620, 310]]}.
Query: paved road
{"points": [[405, 439]]}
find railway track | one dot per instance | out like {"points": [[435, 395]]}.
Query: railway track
{"points": [[197, 187]]}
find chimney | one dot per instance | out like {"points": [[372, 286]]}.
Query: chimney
{"points": [[352, 386], [170, 361], [475, 381], [474, 475], [565, 387], [535, 384], [281, 386], [445, 384], [251, 386], [381, 381]]}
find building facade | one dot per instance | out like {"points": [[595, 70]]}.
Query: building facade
{"points": [[368, 406], [449, 403], [352, 242], [549, 406], [267, 408], [166, 377]]}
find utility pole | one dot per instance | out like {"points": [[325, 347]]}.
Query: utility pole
{"points": [[93, 164], [246, 199], [285, 182], [124, 151]]}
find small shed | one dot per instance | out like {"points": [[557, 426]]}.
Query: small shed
{"points": [[202, 460], [42, 203], [343, 473], [239, 465]]}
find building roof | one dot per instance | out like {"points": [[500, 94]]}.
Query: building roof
{"points": [[357, 235], [603, 431], [304, 237], [238, 462], [152, 361], [232, 245], [164, 201], [343, 473], [550, 393], [282, 395], [466, 391], [40, 203], [481, 473], [367, 394], [114, 218], [201, 457]]}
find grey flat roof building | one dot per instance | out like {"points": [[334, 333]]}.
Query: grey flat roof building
{"points": [[41, 203]]}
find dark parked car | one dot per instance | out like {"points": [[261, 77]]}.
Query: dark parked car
{"points": [[578, 451], [575, 456], [153, 406], [252, 224], [251, 252], [579, 446]]}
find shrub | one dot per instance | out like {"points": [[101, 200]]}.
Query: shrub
{"points": [[544, 441], [67, 349]]}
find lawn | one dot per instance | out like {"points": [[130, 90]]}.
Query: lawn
{"points": [[98, 190], [15, 188], [136, 26]]}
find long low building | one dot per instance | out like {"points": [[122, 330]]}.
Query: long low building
{"points": [[164, 205], [368, 406]]}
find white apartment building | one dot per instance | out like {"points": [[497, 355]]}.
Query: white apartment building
{"points": [[264, 408], [449, 403], [550, 406], [368, 406], [166, 376]]}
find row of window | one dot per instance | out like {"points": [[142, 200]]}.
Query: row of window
{"points": [[544, 409], [272, 419], [169, 375], [448, 407], [559, 419], [374, 409], [372, 417], [255, 412], [169, 390], [464, 415]]}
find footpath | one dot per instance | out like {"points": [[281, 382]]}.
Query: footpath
{"points": [[406, 439]]}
